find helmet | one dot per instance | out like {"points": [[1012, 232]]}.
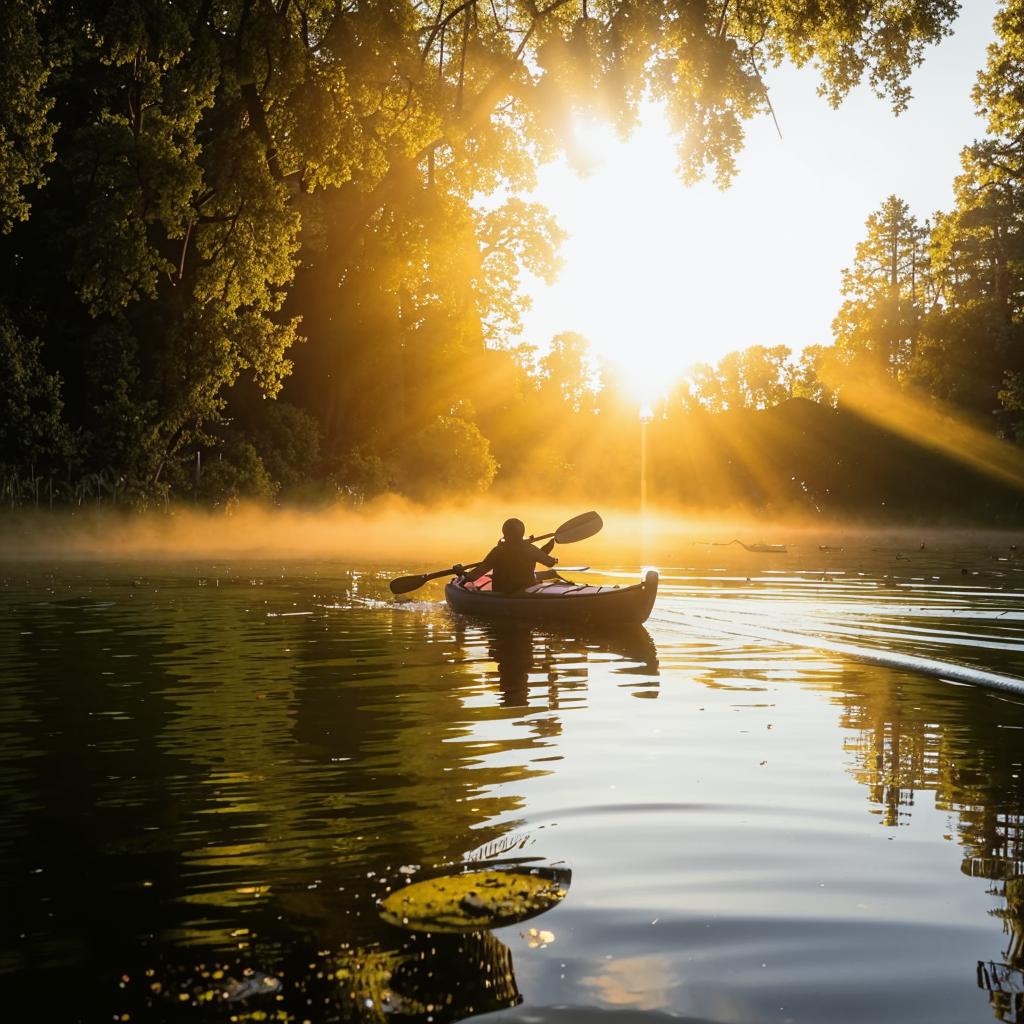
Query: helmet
{"points": [[513, 529]]}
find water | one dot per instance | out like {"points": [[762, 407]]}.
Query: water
{"points": [[209, 774]]}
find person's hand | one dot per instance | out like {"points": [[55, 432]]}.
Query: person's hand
{"points": [[556, 561], [458, 568]]}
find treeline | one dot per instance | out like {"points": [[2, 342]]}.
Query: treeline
{"points": [[932, 308], [929, 337], [273, 248], [935, 306]]}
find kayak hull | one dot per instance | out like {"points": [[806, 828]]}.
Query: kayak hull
{"points": [[558, 602]]}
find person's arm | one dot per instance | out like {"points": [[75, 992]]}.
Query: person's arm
{"points": [[484, 567], [543, 557]]}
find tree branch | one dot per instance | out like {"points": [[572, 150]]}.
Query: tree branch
{"points": [[184, 249], [767, 97], [462, 61], [443, 24], [258, 121]]}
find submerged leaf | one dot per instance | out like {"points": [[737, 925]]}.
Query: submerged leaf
{"points": [[474, 900]]}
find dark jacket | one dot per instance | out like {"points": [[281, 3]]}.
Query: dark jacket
{"points": [[511, 563]]}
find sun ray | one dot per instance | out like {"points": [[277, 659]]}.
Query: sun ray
{"points": [[930, 423]]}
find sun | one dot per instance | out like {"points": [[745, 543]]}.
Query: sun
{"points": [[655, 273], [624, 264]]}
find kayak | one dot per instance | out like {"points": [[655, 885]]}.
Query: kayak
{"points": [[556, 600]]}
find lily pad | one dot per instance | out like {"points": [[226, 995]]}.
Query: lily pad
{"points": [[474, 900]]}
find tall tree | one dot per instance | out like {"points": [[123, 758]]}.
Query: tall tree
{"points": [[984, 243], [973, 339], [886, 292]]}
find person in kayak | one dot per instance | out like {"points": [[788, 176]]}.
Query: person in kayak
{"points": [[510, 562]]}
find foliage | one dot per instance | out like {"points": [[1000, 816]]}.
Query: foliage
{"points": [[26, 130], [449, 456], [566, 372], [1011, 397], [886, 292], [201, 182], [32, 431], [234, 473], [807, 377], [755, 378], [358, 476], [287, 440]]}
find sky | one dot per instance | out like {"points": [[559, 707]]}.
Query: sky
{"points": [[658, 276]]}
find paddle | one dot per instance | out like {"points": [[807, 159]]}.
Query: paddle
{"points": [[578, 528]]}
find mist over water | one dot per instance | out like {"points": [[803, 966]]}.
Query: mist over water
{"points": [[394, 531]]}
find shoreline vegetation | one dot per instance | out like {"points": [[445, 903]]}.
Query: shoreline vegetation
{"points": [[278, 252], [797, 459]]}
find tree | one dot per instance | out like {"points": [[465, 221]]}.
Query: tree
{"points": [[287, 441], [766, 375], [450, 456], [807, 377], [757, 377], [974, 339], [207, 154], [26, 130], [158, 266], [719, 387], [886, 291], [34, 440], [567, 373]]}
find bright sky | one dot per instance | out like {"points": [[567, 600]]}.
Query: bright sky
{"points": [[658, 276]]}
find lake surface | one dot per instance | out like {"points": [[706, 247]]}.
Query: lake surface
{"points": [[211, 773]]}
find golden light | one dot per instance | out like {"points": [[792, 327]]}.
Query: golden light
{"points": [[933, 424], [626, 267], [659, 276]]}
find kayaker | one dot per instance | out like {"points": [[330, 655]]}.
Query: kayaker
{"points": [[511, 561]]}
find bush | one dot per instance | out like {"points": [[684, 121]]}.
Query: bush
{"points": [[233, 473], [32, 430], [450, 454], [359, 476], [287, 440]]}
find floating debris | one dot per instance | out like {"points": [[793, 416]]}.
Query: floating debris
{"points": [[539, 938], [473, 900], [773, 549], [252, 984]]}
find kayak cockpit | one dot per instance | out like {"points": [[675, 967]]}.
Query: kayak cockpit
{"points": [[548, 584]]}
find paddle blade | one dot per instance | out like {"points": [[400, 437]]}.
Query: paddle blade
{"points": [[406, 584], [579, 528]]}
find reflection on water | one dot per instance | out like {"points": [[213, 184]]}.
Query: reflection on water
{"points": [[643, 983], [209, 778], [903, 751], [525, 656]]}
